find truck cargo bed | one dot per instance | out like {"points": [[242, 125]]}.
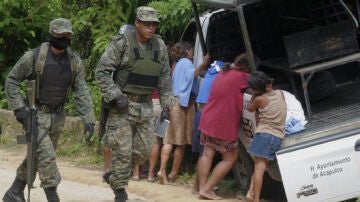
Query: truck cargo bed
{"points": [[334, 114]]}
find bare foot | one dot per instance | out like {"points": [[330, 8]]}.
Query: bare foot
{"points": [[172, 178], [209, 195], [195, 189], [151, 179], [162, 178], [249, 197]]}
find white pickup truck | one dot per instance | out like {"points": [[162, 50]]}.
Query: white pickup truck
{"points": [[310, 48]]}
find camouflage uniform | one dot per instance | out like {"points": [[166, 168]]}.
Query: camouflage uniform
{"points": [[130, 135], [48, 121], [122, 30]]}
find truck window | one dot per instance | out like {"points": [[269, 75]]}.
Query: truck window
{"points": [[190, 33], [224, 29]]}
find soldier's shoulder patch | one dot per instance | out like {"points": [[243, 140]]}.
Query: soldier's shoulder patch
{"points": [[118, 37], [119, 41]]}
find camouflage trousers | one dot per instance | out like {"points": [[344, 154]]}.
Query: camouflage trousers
{"points": [[45, 156], [57, 127], [131, 140]]}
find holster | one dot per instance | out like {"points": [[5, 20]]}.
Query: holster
{"points": [[107, 105]]}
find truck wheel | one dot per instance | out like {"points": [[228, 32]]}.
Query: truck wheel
{"points": [[243, 169], [272, 189]]}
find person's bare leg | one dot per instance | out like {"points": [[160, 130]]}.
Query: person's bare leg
{"points": [[196, 186], [107, 165], [178, 157], [204, 165], [260, 167], [165, 153], [135, 174], [250, 193], [219, 172], [154, 156], [107, 159]]}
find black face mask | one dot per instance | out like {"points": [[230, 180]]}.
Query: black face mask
{"points": [[60, 43]]}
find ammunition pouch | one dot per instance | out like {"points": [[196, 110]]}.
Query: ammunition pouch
{"points": [[139, 98], [107, 105], [49, 109]]}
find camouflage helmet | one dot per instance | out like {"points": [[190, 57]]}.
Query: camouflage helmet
{"points": [[126, 28], [147, 14], [60, 25]]}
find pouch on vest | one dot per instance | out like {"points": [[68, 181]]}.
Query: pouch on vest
{"points": [[141, 75]]}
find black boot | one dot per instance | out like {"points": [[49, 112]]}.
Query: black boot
{"points": [[16, 192], [120, 195], [51, 194], [106, 176]]}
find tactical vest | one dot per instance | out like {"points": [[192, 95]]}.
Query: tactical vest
{"points": [[46, 94], [140, 75]]}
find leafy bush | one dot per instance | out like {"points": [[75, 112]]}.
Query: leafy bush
{"points": [[95, 94], [24, 26], [78, 151]]}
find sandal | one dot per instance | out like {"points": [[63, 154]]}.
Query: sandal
{"points": [[151, 180], [172, 179], [136, 179]]}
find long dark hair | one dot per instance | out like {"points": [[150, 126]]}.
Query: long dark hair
{"points": [[179, 50], [258, 80]]}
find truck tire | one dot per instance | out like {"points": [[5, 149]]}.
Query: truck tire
{"points": [[272, 189], [243, 170]]}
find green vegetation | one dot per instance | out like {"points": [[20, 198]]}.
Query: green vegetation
{"points": [[186, 178], [24, 25], [79, 152], [7, 142]]}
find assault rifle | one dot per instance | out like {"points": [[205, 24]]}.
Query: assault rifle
{"points": [[103, 118], [30, 138]]}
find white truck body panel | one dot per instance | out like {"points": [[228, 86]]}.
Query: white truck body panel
{"points": [[308, 173]]}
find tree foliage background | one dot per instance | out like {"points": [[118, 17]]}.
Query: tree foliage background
{"points": [[24, 25]]}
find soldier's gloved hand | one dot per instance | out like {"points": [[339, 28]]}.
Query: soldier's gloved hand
{"points": [[89, 128], [21, 114], [121, 104], [165, 114]]}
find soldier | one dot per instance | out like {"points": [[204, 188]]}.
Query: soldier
{"points": [[57, 70], [107, 151], [130, 69]]}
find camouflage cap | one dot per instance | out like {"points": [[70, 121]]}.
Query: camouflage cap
{"points": [[147, 14], [60, 25]]}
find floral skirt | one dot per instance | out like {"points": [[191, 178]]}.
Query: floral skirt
{"points": [[219, 144]]}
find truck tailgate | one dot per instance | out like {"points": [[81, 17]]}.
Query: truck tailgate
{"points": [[326, 169]]}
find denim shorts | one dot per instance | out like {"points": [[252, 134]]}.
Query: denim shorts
{"points": [[264, 145]]}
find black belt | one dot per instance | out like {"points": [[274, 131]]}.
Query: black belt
{"points": [[49, 109], [138, 98]]}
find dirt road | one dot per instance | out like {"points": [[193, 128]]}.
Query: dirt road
{"points": [[83, 184]]}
